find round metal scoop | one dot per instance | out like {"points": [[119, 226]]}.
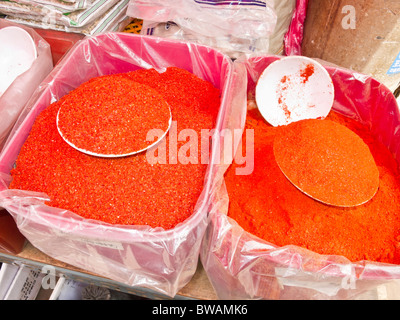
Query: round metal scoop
{"points": [[327, 161], [292, 89]]}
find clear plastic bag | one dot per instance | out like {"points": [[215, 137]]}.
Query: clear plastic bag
{"points": [[233, 27], [231, 46], [284, 35], [162, 260], [114, 19], [13, 100], [242, 19], [243, 266]]}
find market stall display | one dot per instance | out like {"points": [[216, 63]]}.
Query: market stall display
{"points": [[307, 207]]}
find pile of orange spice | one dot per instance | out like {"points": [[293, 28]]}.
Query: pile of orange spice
{"points": [[266, 204], [327, 161], [127, 190]]}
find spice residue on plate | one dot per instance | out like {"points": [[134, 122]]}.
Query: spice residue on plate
{"points": [[129, 190], [112, 115], [266, 204], [288, 91], [282, 87], [307, 72]]}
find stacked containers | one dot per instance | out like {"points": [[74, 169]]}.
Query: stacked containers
{"points": [[135, 255]]}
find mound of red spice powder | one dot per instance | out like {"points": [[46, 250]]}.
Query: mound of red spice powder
{"points": [[327, 161], [127, 190], [266, 204], [112, 115]]}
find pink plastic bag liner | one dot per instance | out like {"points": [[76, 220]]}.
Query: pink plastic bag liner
{"points": [[135, 255], [243, 266], [294, 35], [14, 99]]}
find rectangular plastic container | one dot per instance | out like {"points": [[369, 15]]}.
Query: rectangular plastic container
{"points": [[160, 260], [243, 266]]}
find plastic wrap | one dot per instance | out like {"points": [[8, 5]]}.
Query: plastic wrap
{"points": [[79, 16], [243, 19], [162, 260], [284, 11], [113, 18], [233, 46], [294, 36], [243, 266], [18, 93], [233, 27]]}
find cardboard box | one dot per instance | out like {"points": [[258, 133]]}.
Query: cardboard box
{"points": [[358, 35]]}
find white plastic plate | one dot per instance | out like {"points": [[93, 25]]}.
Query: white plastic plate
{"points": [[294, 88], [17, 53]]}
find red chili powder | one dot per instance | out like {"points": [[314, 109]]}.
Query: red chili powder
{"points": [[281, 93], [112, 115], [307, 72], [327, 161], [266, 204], [128, 190]]}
